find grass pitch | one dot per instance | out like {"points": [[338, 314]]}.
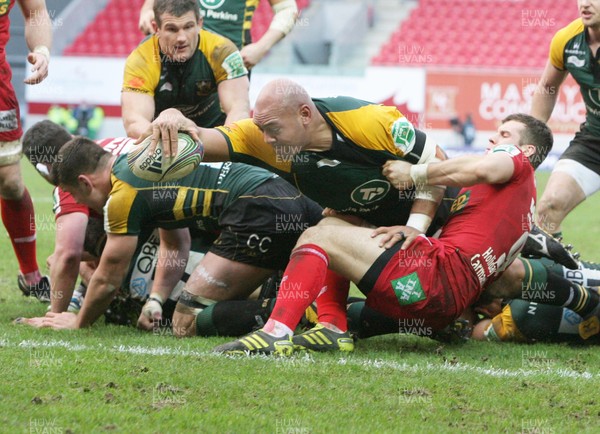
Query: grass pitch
{"points": [[116, 379]]}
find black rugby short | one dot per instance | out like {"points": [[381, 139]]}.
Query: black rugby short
{"points": [[585, 149], [263, 227]]}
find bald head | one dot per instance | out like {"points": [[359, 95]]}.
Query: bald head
{"points": [[282, 94]]}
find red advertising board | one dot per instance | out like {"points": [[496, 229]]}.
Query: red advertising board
{"points": [[489, 97]]}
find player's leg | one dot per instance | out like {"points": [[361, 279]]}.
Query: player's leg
{"points": [[346, 249], [215, 279], [523, 321], [575, 177], [561, 195], [18, 217], [530, 280]]}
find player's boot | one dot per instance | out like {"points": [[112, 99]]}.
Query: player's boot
{"points": [[257, 342], [541, 243], [320, 338], [40, 290]]}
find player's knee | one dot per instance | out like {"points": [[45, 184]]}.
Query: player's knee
{"points": [[311, 235], [510, 283], [551, 203], [11, 186]]}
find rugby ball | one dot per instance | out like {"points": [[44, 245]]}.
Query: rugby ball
{"points": [[151, 166]]}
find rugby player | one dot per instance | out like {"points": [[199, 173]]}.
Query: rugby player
{"points": [[233, 19], [16, 206], [241, 201], [488, 227], [576, 176], [183, 66]]}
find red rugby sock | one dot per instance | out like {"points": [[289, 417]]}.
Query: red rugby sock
{"points": [[19, 219], [331, 304], [302, 282]]}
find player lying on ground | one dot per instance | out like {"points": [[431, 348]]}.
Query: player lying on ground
{"points": [[41, 144], [487, 229], [338, 142], [242, 201], [544, 281]]}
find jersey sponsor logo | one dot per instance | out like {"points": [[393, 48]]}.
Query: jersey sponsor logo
{"points": [[460, 202], [571, 317], [211, 4], [511, 149], [220, 15], [8, 120], [138, 288], [256, 242], [370, 191], [4, 5], [575, 51], [166, 87], [594, 95], [403, 134], [234, 65], [576, 61], [408, 289]]}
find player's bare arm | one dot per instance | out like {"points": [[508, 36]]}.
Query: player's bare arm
{"points": [[38, 35], [284, 18], [546, 94], [233, 96], [146, 17], [493, 168], [68, 251], [137, 111], [173, 254]]}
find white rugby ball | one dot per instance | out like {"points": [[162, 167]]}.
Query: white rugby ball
{"points": [[151, 166]]}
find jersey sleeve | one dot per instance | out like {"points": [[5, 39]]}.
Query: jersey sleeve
{"points": [[64, 203], [384, 128], [124, 212], [560, 40], [520, 161], [225, 59], [142, 68], [503, 328], [246, 145]]}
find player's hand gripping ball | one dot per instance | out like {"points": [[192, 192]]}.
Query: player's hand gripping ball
{"points": [[151, 166]]}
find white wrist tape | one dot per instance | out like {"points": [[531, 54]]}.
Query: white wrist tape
{"points": [[157, 298], [42, 49], [418, 221], [285, 16], [418, 174]]}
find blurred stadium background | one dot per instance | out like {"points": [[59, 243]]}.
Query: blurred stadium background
{"points": [[438, 61]]}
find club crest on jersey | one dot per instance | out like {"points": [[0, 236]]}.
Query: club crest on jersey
{"points": [[408, 289], [370, 191], [460, 202], [403, 134]]}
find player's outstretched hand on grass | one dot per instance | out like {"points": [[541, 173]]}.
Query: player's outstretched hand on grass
{"points": [[165, 128], [396, 234], [57, 321]]}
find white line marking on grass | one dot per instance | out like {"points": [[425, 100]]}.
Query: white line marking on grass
{"points": [[304, 359]]}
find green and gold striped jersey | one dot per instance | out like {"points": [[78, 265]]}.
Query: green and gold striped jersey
{"points": [[348, 176], [570, 51], [196, 200]]}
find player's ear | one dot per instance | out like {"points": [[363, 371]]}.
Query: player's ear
{"points": [[305, 114], [154, 26], [85, 183]]}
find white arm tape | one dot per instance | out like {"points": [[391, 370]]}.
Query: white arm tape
{"points": [[419, 221], [418, 174], [284, 19], [42, 49]]}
